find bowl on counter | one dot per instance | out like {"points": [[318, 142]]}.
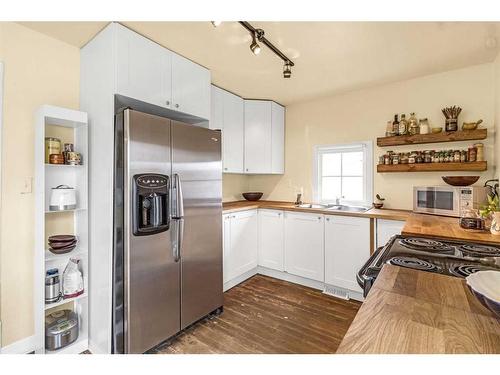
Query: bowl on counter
{"points": [[484, 286], [460, 180], [252, 196]]}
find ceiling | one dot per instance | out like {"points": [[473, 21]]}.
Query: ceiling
{"points": [[329, 57]]}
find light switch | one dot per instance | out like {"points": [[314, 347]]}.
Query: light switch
{"points": [[27, 187]]}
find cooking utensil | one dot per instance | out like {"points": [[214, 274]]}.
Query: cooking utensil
{"points": [[460, 180], [61, 329], [62, 197], [252, 196]]}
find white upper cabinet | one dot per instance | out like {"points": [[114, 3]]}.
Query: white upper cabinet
{"points": [[271, 239], [216, 108], [264, 137], [278, 139], [347, 247], [258, 136], [304, 250], [190, 87], [233, 134], [153, 74], [144, 69]]}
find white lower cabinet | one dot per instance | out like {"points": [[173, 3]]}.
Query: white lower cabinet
{"points": [[240, 243], [271, 239], [386, 229], [347, 248], [304, 245]]}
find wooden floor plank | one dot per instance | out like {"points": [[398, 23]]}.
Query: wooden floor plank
{"points": [[266, 315]]}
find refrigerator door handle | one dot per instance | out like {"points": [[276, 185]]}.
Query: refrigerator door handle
{"points": [[177, 237], [178, 206]]}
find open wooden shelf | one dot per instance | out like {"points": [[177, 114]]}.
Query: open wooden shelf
{"points": [[401, 140], [433, 167]]}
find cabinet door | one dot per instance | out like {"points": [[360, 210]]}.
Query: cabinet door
{"points": [[271, 239], [216, 108], [258, 135], [243, 254], [278, 139], [232, 134], [226, 245], [386, 229], [304, 253], [347, 248], [190, 87], [144, 69]]}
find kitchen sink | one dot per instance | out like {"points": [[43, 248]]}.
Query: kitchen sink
{"points": [[313, 205], [334, 207], [344, 208]]}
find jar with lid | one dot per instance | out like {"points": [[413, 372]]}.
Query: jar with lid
{"points": [[427, 157], [412, 159], [424, 126], [413, 127], [387, 159], [395, 159], [389, 131], [456, 156], [381, 159], [479, 151], [463, 156], [52, 146], [471, 154], [419, 159], [404, 158], [403, 125]]}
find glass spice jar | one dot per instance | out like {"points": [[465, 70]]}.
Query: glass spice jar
{"points": [[424, 126], [420, 158], [381, 159], [395, 159], [427, 157], [387, 159], [412, 158], [479, 151], [441, 157], [404, 158], [463, 156], [456, 156]]}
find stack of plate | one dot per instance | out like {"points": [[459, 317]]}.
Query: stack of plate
{"points": [[62, 244]]}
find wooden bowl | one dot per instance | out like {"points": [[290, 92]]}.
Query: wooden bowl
{"points": [[436, 130], [460, 180], [252, 196]]}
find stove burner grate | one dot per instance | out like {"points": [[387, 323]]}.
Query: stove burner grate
{"points": [[425, 244], [465, 270], [414, 263], [475, 250]]}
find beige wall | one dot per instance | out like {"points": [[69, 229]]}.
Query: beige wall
{"points": [[362, 115], [38, 70], [233, 185], [497, 113]]}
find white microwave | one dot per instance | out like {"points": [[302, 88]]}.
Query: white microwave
{"points": [[448, 200]]}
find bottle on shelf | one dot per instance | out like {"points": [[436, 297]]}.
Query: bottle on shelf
{"points": [[403, 125], [413, 127], [395, 125]]}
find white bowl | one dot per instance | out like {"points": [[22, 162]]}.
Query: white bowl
{"points": [[485, 285]]}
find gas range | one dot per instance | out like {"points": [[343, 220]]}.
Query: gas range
{"points": [[453, 258]]}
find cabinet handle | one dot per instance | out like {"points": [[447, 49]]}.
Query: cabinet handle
{"points": [[327, 219], [177, 106], [319, 217], [225, 169], [247, 169], [279, 213], [167, 102]]}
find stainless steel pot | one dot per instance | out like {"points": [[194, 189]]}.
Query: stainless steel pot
{"points": [[62, 197], [61, 329]]}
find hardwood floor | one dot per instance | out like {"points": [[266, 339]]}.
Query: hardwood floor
{"points": [[266, 315]]}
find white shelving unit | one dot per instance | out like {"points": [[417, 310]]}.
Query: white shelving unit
{"points": [[70, 126]]}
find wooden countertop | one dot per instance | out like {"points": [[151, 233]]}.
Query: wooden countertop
{"points": [[229, 207], [445, 228], [409, 311]]}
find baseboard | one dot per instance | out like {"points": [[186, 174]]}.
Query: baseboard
{"points": [[291, 278], [23, 346], [237, 280]]}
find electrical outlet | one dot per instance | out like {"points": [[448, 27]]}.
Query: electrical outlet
{"points": [[27, 186]]}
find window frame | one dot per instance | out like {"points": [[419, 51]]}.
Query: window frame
{"points": [[367, 148]]}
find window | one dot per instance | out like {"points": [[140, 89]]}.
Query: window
{"points": [[344, 172]]}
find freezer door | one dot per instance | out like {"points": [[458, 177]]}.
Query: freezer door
{"points": [[197, 170], [152, 273]]}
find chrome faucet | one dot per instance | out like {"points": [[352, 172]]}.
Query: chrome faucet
{"points": [[298, 201], [337, 201]]}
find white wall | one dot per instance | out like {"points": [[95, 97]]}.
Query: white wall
{"points": [[362, 115]]}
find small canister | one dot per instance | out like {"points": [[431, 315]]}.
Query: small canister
{"points": [[52, 146], [412, 159], [479, 151], [387, 159], [395, 159], [456, 156], [471, 154], [427, 157], [463, 156]]}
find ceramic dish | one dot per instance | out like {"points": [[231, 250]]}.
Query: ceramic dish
{"points": [[485, 286], [63, 250], [62, 238], [60, 245]]}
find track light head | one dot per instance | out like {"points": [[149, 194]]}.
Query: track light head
{"points": [[287, 70], [254, 47], [216, 23]]}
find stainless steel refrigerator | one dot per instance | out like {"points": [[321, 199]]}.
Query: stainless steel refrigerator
{"points": [[167, 229]]}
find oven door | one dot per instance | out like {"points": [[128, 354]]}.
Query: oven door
{"points": [[437, 200]]}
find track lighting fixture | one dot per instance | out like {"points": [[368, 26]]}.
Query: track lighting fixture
{"points": [[216, 23], [254, 47], [287, 70], [258, 35]]}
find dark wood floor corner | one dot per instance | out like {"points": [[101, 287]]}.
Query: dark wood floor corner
{"points": [[266, 315]]}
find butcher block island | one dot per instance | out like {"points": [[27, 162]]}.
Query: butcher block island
{"points": [[415, 312]]}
